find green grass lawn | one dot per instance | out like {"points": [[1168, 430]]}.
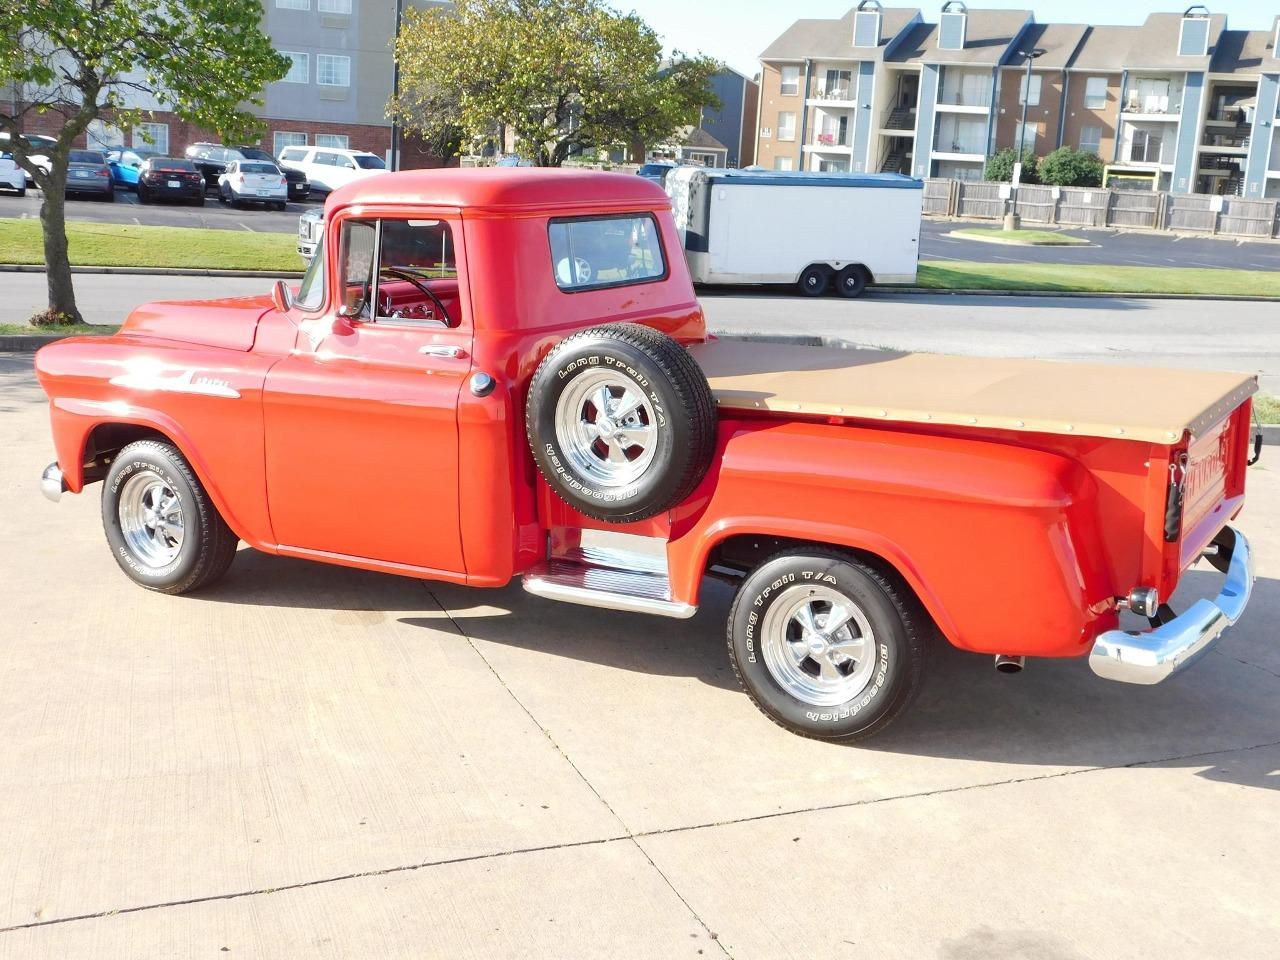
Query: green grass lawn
{"points": [[121, 245], [1096, 278], [62, 329], [1266, 408], [1034, 238]]}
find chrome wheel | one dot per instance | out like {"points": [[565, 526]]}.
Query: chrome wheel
{"points": [[151, 519], [606, 428], [818, 645]]}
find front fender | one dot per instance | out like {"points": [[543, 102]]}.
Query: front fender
{"points": [[1001, 543]]}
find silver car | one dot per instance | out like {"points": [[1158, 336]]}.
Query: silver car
{"points": [[87, 172]]}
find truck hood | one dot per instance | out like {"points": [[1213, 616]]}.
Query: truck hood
{"points": [[230, 323]]}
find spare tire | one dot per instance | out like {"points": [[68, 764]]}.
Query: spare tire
{"points": [[621, 422]]}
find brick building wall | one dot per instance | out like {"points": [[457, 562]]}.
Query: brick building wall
{"points": [[772, 103], [1079, 116], [1045, 117]]}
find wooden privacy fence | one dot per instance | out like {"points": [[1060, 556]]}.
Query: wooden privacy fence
{"points": [[1097, 207]]}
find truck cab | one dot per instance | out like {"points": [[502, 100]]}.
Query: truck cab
{"points": [[497, 374]]}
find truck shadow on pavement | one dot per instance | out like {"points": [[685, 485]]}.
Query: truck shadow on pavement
{"points": [[1056, 712]]}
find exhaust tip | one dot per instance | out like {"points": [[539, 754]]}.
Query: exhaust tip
{"points": [[1008, 664]]}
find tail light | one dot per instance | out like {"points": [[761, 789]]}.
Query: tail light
{"points": [[104, 172], [240, 178], [283, 181]]}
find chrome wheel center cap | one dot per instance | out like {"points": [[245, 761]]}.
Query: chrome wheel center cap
{"points": [[606, 427], [817, 646]]}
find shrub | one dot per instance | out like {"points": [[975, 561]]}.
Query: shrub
{"points": [[1000, 166], [51, 318], [1072, 168]]}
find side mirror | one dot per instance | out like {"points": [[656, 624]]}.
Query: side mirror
{"points": [[281, 297]]}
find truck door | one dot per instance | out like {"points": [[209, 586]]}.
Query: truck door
{"points": [[361, 417]]}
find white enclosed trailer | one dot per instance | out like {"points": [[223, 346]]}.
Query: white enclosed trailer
{"points": [[817, 230]]}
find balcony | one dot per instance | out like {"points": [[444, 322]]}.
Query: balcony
{"points": [[969, 147], [1235, 141], [1157, 107], [831, 143], [965, 100], [840, 94]]}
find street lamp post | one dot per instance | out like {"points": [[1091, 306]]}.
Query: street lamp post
{"points": [[1011, 219], [395, 91]]}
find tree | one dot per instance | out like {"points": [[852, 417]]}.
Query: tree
{"points": [[84, 60], [561, 75], [1065, 167], [1000, 166]]}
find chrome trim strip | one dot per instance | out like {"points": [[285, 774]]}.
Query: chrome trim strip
{"points": [[1154, 655], [52, 484], [186, 381], [555, 588]]}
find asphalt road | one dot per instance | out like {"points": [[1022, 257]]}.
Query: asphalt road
{"points": [[1178, 333], [307, 761], [1109, 246]]}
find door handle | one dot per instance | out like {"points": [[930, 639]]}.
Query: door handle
{"points": [[443, 350]]}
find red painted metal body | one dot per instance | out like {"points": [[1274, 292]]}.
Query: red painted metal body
{"points": [[1015, 543]]}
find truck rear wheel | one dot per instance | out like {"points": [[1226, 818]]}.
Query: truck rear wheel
{"points": [[824, 645], [164, 531], [621, 422], [815, 280]]}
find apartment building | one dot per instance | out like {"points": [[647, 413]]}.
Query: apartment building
{"points": [[335, 93], [1180, 103]]}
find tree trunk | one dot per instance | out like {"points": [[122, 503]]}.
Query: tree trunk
{"points": [[62, 295]]}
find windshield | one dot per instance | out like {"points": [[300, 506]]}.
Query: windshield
{"points": [[369, 162], [253, 153], [86, 156], [311, 293]]}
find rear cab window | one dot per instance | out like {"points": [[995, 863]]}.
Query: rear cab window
{"points": [[592, 253]]}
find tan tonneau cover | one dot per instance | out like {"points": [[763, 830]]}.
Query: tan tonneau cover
{"points": [[1046, 396]]}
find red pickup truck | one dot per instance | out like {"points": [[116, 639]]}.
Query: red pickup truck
{"points": [[492, 374]]}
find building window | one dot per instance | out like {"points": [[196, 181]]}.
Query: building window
{"points": [[786, 126], [1026, 137], [103, 136], [333, 71], [294, 4], [333, 6], [1034, 99], [339, 141], [1090, 139], [1193, 40], [299, 67], [151, 136], [784, 163], [283, 139], [790, 81], [1095, 93]]}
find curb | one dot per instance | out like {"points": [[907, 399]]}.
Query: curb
{"points": [[28, 343], [159, 271], [1075, 245], [1271, 434], [1083, 295]]}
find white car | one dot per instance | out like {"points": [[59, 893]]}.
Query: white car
{"points": [[253, 181], [329, 168], [12, 176], [36, 147]]}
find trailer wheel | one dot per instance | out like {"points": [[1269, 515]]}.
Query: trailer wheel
{"points": [[814, 280], [621, 422], [826, 646], [852, 281]]}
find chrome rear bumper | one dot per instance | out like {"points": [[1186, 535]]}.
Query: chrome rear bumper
{"points": [[51, 483], [1154, 655]]}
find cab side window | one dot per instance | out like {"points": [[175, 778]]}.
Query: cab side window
{"points": [[416, 276], [358, 238]]}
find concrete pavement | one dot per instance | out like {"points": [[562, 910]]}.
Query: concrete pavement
{"points": [[309, 761]]}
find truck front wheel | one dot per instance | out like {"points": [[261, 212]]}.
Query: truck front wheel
{"points": [[164, 531], [824, 645]]}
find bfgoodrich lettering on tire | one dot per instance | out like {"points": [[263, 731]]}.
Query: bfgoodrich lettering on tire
{"points": [[825, 645], [621, 422], [163, 530]]}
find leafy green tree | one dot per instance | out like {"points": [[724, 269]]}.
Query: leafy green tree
{"points": [[84, 60], [561, 75], [1000, 166], [1065, 167]]}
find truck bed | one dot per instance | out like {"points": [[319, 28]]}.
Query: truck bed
{"points": [[1043, 396]]}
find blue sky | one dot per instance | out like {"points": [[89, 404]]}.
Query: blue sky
{"points": [[735, 31]]}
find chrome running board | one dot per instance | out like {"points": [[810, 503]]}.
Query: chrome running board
{"points": [[613, 571]]}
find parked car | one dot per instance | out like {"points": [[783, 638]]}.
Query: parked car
{"points": [[87, 172], [12, 176], [211, 160], [310, 230], [299, 185], [453, 335], [126, 165], [656, 171], [253, 181], [328, 168], [37, 148], [170, 178]]}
